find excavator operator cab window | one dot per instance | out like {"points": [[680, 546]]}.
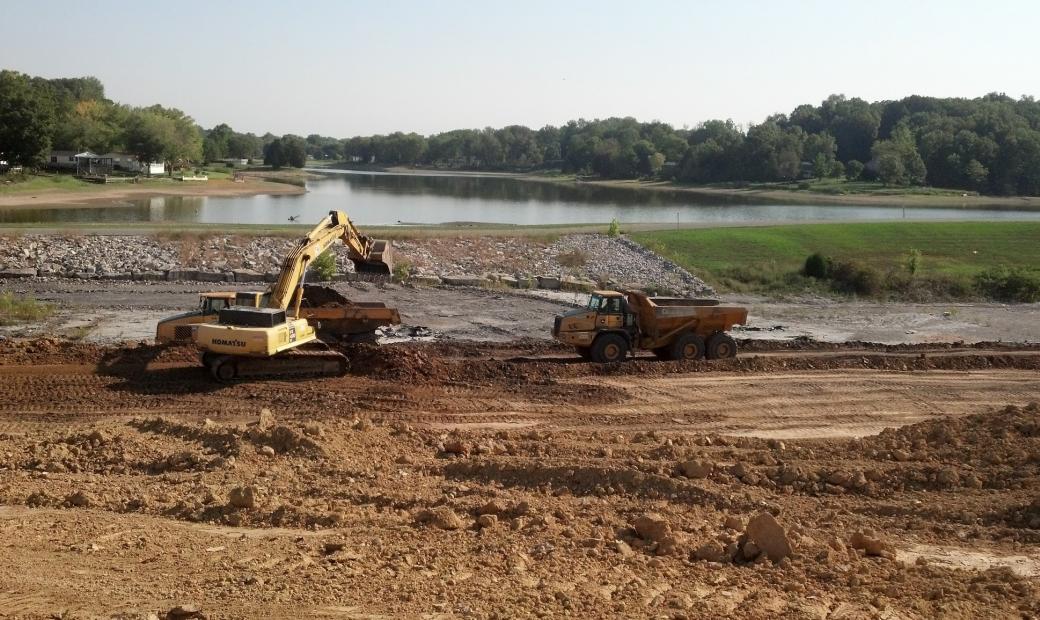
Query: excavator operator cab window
{"points": [[212, 305]]}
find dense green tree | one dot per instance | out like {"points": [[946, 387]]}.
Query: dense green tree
{"points": [[274, 154], [156, 134], [91, 124], [899, 162], [294, 149], [853, 169], [26, 119]]}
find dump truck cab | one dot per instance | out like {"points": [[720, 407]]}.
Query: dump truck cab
{"points": [[613, 324], [607, 312]]}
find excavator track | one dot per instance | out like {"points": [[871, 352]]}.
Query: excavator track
{"points": [[284, 365]]}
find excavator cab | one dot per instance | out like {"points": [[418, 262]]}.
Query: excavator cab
{"points": [[213, 303]]}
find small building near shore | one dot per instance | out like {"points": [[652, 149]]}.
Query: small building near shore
{"points": [[93, 165]]}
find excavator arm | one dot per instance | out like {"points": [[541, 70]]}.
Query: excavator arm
{"points": [[369, 256]]}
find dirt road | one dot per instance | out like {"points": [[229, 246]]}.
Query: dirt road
{"points": [[443, 480]]}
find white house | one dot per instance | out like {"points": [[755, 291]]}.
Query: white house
{"points": [[124, 161], [62, 160]]}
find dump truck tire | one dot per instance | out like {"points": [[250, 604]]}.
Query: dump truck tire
{"points": [[584, 352], [688, 347], [721, 346], [609, 348]]}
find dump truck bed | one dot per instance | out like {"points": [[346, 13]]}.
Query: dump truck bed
{"points": [[660, 317]]}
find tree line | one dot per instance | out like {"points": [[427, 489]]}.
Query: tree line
{"points": [[990, 144]]}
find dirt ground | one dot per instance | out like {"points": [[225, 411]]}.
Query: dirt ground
{"points": [[110, 312], [492, 474], [505, 480]]}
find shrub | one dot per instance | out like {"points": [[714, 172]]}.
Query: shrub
{"points": [[572, 259], [1009, 284], [325, 265], [615, 228], [817, 266], [402, 270], [853, 277], [913, 261]]}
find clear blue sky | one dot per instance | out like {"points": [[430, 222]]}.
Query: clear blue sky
{"points": [[344, 68]]}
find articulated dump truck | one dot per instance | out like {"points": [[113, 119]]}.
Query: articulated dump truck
{"points": [[614, 324]]}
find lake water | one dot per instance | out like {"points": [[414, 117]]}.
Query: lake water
{"points": [[380, 198]]}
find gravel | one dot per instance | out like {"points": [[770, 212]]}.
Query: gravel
{"points": [[597, 258]]}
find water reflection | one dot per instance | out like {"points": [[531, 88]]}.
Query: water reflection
{"points": [[389, 199]]}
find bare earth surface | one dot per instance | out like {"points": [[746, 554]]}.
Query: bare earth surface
{"points": [[491, 474], [483, 480]]}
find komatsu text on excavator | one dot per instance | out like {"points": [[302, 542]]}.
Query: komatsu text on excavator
{"points": [[271, 337]]}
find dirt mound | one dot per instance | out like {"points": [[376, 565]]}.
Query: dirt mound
{"points": [[109, 451], [1009, 436]]}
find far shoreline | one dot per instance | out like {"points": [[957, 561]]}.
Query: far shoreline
{"points": [[753, 195], [102, 195]]}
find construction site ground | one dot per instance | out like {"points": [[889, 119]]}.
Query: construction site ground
{"points": [[492, 474]]}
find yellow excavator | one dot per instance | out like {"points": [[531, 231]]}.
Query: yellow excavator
{"points": [[270, 336]]}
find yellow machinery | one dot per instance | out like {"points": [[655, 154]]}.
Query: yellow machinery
{"points": [[617, 323], [270, 336], [337, 317]]}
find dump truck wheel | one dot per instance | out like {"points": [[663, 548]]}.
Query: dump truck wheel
{"points": [[609, 348], [721, 346], [584, 352], [688, 347]]}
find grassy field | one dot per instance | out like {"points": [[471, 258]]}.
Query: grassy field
{"points": [[64, 182], [769, 259]]}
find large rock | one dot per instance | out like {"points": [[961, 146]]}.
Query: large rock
{"points": [[441, 517], [243, 497], [18, 272], [654, 528], [769, 536], [464, 280], [696, 468], [117, 275], [248, 275], [149, 276], [871, 544], [182, 275], [577, 285], [551, 283], [210, 276], [425, 280]]}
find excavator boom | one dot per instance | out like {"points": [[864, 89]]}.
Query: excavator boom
{"points": [[368, 255]]}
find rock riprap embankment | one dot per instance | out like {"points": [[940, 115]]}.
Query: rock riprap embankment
{"points": [[588, 259]]}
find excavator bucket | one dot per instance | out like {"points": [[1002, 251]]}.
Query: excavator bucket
{"points": [[380, 259]]}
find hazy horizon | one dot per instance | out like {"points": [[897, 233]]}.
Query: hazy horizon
{"points": [[344, 69]]}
